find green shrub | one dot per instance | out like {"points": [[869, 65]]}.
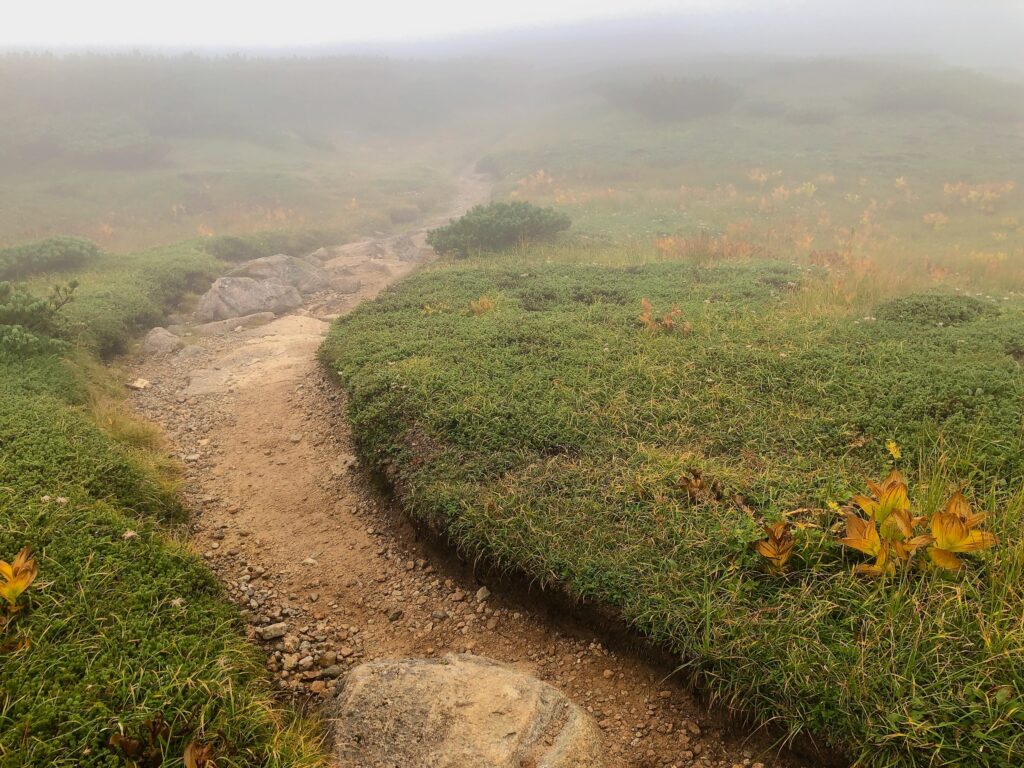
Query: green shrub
{"points": [[675, 99], [496, 226], [29, 324], [403, 214], [55, 254], [247, 247], [934, 309]]}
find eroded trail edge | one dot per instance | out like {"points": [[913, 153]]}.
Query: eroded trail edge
{"points": [[328, 574]]}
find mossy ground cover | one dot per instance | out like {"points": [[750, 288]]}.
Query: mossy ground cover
{"points": [[556, 436], [123, 623]]}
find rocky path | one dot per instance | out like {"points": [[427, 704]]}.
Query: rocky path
{"points": [[329, 575]]}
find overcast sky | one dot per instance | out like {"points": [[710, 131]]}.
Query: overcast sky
{"points": [[252, 23], [984, 33]]}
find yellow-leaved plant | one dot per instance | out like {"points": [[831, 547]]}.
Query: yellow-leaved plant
{"points": [[954, 531], [777, 548], [16, 577], [888, 530]]}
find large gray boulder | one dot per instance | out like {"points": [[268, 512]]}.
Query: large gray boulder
{"points": [[240, 296], [461, 711], [301, 275]]}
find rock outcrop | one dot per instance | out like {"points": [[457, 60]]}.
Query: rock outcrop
{"points": [[302, 275], [461, 711], [239, 296]]}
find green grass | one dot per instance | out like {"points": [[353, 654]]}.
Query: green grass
{"points": [[117, 629], [553, 435]]}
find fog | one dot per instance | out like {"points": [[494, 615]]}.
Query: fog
{"points": [[956, 32], [116, 113]]}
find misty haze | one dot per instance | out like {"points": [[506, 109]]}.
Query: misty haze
{"points": [[556, 385]]}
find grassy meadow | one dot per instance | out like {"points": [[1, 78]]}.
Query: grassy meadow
{"points": [[842, 283]]}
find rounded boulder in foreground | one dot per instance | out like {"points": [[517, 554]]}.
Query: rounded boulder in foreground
{"points": [[462, 711]]}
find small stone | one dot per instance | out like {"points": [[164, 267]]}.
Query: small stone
{"points": [[139, 384], [273, 631], [295, 438], [395, 615], [332, 672], [482, 594]]}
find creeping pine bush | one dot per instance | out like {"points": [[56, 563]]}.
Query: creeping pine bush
{"points": [[55, 254], [244, 248], [31, 324], [934, 309], [496, 226]]}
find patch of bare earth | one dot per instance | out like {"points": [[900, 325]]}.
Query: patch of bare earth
{"points": [[330, 575]]}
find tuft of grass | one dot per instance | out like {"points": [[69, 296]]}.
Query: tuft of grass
{"points": [[555, 436]]}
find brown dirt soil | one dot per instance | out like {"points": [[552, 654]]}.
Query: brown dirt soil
{"points": [[286, 517]]}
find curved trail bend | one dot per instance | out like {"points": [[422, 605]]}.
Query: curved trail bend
{"points": [[286, 518]]}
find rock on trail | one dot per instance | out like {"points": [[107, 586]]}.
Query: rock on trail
{"points": [[301, 275], [160, 341], [238, 296], [461, 711]]}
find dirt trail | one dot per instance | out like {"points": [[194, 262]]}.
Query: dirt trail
{"points": [[285, 516]]}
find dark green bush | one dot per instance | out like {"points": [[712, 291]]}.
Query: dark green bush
{"points": [[55, 254], [30, 324], [675, 99], [934, 309], [496, 226], [247, 247]]}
